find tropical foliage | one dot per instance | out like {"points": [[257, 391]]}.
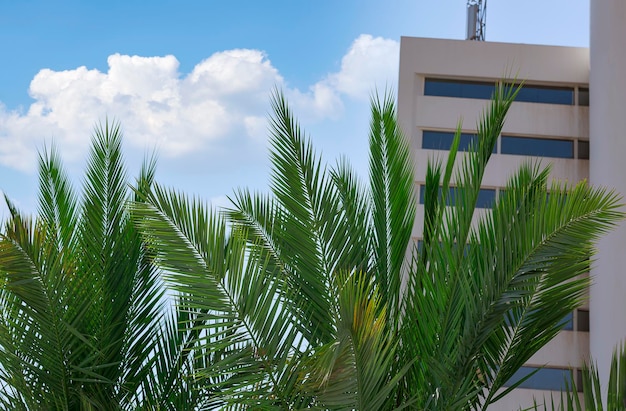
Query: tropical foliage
{"points": [[321, 298], [82, 322], [314, 295]]}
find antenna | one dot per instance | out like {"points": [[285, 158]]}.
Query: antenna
{"points": [[476, 18]]}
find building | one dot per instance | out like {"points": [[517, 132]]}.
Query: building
{"points": [[443, 81]]}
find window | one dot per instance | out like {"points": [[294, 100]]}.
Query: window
{"points": [[423, 193], [583, 320], [583, 96], [583, 149], [442, 140], [486, 196], [484, 90], [532, 146], [458, 88], [553, 379], [546, 95], [568, 320], [523, 146]]}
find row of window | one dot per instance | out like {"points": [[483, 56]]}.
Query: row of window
{"points": [[523, 146], [578, 322], [486, 196], [484, 90], [553, 379]]}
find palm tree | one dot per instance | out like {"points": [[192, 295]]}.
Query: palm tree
{"points": [[82, 317], [320, 297]]}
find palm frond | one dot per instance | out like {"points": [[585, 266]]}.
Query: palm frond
{"points": [[57, 200], [354, 229], [304, 191], [34, 335], [393, 202], [232, 303], [354, 371], [541, 278], [80, 297]]}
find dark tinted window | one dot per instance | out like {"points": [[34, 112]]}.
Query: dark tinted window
{"points": [[484, 90], [458, 88], [583, 150], [583, 321], [583, 96], [486, 197], [442, 140], [554, 379], [543, 147], [544, 94], [568, 320]]}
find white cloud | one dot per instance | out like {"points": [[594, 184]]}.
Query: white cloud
{"points": [[321, 101], [223, 100], [232, 72], [256, 127], [371, 62]]}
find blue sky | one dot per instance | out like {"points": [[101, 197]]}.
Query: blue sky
{"points": [[192, 78]]}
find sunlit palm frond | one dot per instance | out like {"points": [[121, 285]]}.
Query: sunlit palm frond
{"points": [[80, 297], [267, 224], [353, 238], [57, 200], [541, 278], [438, 300], [235, 318], [393, 201], [304, 191]]}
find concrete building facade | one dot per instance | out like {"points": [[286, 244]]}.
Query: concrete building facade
{"points": [[443, 81], [606, 167]]}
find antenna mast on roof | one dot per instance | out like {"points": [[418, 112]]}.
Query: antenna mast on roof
{"points": [[476, 18]]}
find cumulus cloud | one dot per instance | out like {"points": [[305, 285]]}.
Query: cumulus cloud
{"points": [[222, 101], [371, 62]]}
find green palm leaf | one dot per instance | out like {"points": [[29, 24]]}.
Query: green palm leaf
{"points": [[392, 199], [235, 314], [80, 298]]}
